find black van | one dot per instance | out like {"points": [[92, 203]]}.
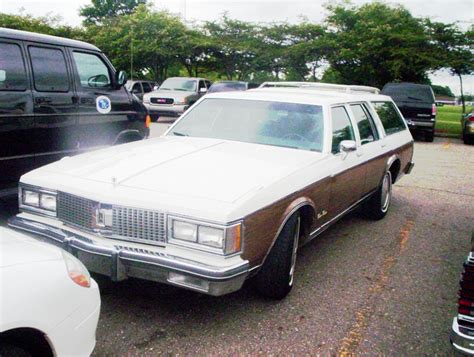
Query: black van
{"points": [[417, 104], [59, 97]]}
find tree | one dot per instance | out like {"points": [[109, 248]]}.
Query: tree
{"points": [[442, 90], [99, 10], [376, 43], [453, 50], [233, 46]]}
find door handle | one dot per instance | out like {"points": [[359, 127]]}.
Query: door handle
{"points": [[43, 100]]}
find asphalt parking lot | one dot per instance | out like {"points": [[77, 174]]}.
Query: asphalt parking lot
{"points": [[386, 287]]}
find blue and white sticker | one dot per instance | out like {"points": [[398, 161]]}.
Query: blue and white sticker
{"points": [[103, 104]]}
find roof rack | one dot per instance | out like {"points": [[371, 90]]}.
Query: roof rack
{"points": [[322, 86]]}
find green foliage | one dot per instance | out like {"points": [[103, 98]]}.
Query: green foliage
{"points": [[99, 10], [442, 90], [370, 44], [376, 43]]}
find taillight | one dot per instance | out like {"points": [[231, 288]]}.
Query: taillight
{"points": [[147, 121], [470, 118], [433, 110]]}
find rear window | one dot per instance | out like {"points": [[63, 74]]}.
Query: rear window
{"points": [[391, 120], [12, 68], [413, 93]]}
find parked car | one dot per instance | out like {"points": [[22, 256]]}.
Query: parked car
{"points": [[227, 86], [59, 97], [230, 192], [49, 304], [175, 96], [140, 88], [462, 333], [467, 124], [417, 104]]}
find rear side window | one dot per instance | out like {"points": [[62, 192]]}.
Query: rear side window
{"points": [[93, 72], [12, 68], [341, 128], [49, 69], [367, 130], [391, 120]]}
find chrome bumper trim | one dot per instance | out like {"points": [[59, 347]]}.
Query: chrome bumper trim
{"points": [[119, 260], [460, 341]]}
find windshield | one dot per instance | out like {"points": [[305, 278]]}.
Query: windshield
{"points": [[293, 125], [182, 84], [227, 87]]}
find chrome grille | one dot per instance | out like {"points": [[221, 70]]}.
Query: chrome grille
{"points": [[75, 210], [138, 224]]}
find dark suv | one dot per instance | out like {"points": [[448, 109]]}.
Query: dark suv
{"points": [[59, 97], [417, 104]]}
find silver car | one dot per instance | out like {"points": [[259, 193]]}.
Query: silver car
{"points": [[175, 96]]}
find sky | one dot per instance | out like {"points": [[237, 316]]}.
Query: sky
{"points": [[460, 11]]}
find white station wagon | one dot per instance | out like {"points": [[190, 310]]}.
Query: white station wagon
{"points": [[231, 190]]}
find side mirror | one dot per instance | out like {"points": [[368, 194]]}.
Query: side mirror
{"points": [[203, 90], [121, 78], [347, 146]]}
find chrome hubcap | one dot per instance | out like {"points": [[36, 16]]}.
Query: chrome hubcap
{"points": [[295, 248], [386, 191]]}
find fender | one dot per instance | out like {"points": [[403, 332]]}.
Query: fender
{"points": [[292, 208]]}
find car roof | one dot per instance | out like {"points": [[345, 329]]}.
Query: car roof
{"points": [[193, 78], [300, 95], [46, 39]]}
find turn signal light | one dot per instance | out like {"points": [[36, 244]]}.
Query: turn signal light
{"points": [[148, 121]]}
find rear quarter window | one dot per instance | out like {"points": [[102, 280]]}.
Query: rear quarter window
{"points": [[12, 68], [389, 116]]}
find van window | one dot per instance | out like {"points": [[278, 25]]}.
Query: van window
{"points": [[341, 128], [49, 69], [93, 72], [364, 124], [391, 120], [12, 68]]}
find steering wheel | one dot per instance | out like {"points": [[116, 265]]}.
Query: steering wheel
{"points": [[296, 136]]}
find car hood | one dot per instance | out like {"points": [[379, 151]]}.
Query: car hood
{"points": [[16, 248], [170, 94], [212, 169]]}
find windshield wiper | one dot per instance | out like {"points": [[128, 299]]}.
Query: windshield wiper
{"points": [[414, 98], [178, 133]]}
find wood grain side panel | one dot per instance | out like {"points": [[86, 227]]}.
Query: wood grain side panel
{"points": [[261, 227]]}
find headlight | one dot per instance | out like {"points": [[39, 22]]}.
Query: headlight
{"points": [[204, 236], [181, 102], [146, 100], [38, 200]]}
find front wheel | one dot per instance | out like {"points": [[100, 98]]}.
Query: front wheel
{"points": [[377, 206], [275, 279]]}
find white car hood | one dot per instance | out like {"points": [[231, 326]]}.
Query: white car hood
{"points": [[181, 166], [16, 248]]}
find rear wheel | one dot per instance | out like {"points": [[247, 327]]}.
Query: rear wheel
{"points": [[276, 277], [377, 206], [429, 136]]}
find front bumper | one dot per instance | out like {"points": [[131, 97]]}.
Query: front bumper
{"points": [[120, 260], [166, 109], [461, 342]]}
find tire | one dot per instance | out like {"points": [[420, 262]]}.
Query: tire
{"points": [[377, 206], [467, 140], [275, 279], [429, 136], [10, 350]]}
